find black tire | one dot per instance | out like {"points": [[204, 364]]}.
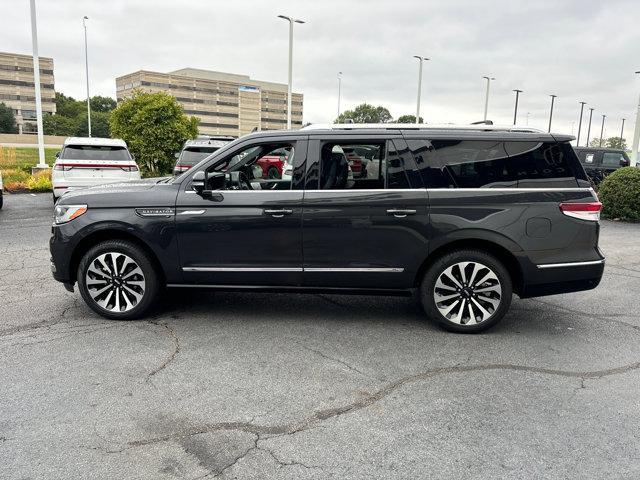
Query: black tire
{"points": [[53, 195], [272, 173], [150, 279], [493, 300], [1, 200]]}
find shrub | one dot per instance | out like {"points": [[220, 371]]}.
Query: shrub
{"points": [[40, 182], [619, 193]]}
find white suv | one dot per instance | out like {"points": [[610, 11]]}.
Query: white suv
{"points": [[84, 162]]}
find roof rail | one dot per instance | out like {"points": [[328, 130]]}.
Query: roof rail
{"points": [[419, 126]]}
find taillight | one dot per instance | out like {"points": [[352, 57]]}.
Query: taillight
{"points": [[130, 168], [61, 167], [583, 211]]}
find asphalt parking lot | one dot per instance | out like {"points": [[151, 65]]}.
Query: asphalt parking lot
{"points": [[236, 385]]}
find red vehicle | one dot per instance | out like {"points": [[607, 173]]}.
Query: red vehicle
{"points": [[272, 164]]}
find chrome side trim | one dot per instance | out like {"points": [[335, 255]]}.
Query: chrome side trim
{"points": [[192, 212], [241, 269], [354, 269], [291, 269], [488, 190], [571, 264]]}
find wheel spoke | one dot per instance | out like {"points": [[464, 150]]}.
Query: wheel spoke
{"points": [[135, 271], [105, 303], [448, 274], [492, 288], [442, 286], [458, 317], [442, 298]]}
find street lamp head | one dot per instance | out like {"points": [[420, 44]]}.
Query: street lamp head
{"points": [[517, 91], [489, 78], [299, 21], [284, 17], [85, 18], [420, 57], [553, 96]]}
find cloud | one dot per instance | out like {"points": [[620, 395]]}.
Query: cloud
{"points": [[578, 50]]}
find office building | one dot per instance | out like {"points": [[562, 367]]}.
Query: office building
{"points": [[17, 88], [225, 103]]}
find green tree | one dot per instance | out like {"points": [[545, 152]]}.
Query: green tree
{"points": [[102, 104], [59, 125], [154, 126], [408, 119], [99, 125], [7, 119], [68, 106], [611, 142], [365, 113]]}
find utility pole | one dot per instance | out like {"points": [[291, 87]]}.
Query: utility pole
{"points": [[622, 133], [339, 86], [553, 97], [636, 136], [486, 96], [602, 129], [36, 81], [421, 59], [291, 21], [86, 67], [582, 104], [589, 129], [515, 112]]}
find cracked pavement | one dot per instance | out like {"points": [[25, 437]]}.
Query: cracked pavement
{"points": [[239, 385]]}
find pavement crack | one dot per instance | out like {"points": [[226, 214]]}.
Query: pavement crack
{"points": [[175, 350], [336, 360], [282, 463], [320, 416], [238, 458]]}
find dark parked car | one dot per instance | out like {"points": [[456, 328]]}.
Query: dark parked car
{"points": [[599, 162], [465, 216]]}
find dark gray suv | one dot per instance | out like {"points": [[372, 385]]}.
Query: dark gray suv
{"points": [[465, 216]]}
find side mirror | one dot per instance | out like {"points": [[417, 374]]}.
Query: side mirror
{"points": [[176, 155], [57, 154], [198, 181], [624, 162]]}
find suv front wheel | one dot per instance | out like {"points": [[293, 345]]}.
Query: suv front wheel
{"points": [[117, 280], [466, 291]]}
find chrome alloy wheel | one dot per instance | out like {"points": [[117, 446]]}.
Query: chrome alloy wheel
{"points": [[115, 282], [467, 293]]}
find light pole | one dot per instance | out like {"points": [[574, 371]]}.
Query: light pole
{"points": [[602, 129], [553, 98], [339, 86], [36, 83], [591, 109], [636, 136], [622, 131], [421, 59], [515, 111], [291, 21], [486, 96], [582, 104], [86, 68]]}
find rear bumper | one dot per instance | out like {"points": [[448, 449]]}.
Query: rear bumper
{"points": [[553, 279]]}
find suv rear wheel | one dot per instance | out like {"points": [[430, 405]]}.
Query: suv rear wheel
{"points": [[117, 280], [466, 291]]}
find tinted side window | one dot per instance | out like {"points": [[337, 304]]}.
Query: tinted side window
{"points": [[463, 163], [612, 159], [352, 165], [544, 165]]}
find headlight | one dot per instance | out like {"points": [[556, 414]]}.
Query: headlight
{"points": [[66, 213]]}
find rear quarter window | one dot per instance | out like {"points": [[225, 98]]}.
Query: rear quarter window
{"points": [[545, 164]]}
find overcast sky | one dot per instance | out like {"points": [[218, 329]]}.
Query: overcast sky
{"points": [[577, 49]]}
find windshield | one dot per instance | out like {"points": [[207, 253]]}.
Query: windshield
{"points": [[192, 155], [91, 152]]}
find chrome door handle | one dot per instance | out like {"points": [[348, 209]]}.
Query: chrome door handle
{"points": [[279, 213], [399, 213]]}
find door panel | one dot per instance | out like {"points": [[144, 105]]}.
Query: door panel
{"points": [[243, 237], [366, 238], [246, 237]]}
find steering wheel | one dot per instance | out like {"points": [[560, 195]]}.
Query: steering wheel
{"points": [[243, 182]]}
